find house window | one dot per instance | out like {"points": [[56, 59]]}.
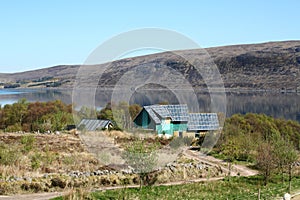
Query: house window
{"points": [[180, 134]]}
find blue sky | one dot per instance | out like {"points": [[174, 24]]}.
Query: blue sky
{"points": [[36, 34]]}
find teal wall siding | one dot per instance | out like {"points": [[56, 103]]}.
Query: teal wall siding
{"points": [[170, 128], [158, 129], [180, 127], [143, 120]]}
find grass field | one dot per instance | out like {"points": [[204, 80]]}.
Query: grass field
{"points": [[233, 188]]}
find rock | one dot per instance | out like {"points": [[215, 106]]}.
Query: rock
{"points": [[199, 166], [172, 168], [87, 174], [45, 175], [286, 196], [126, 171], [28, 179], [18, 179]]}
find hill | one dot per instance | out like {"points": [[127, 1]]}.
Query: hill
{"points": [[272, 65]]}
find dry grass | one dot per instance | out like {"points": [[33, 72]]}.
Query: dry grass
{"points": [[48, 154]]}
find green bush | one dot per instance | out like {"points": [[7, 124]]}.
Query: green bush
{"points": [[69, 160], [27, 141], [14, 128], [8, 156], [36, 161]]}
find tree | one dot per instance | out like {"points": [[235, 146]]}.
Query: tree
{"points": [[134, 110], [121, 114], [52, 115], [266, 160], [142, 157], [20, 109], [286, 156], [231, 151], [87, 112]]}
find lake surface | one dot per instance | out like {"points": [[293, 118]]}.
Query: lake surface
{"points": [[279, 105]]}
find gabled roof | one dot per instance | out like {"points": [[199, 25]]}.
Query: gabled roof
{"points": [[203, 121], [152, 114], [93, 124], [178, 113]]}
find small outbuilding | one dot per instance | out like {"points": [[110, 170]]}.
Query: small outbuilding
{"points": [[94, 124]]}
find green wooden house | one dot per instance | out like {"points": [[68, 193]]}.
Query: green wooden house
{"points": [[175, 120]]}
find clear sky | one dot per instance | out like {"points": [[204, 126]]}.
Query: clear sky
{"points": [[36, 34]]}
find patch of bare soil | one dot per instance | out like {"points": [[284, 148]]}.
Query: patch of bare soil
{"points": [[235, 169]]}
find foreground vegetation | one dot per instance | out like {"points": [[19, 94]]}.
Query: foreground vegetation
{"points": [[271, 144], [233, 188], [23, 155]]}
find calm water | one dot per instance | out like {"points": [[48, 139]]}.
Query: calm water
{"points": [[279, 105]]}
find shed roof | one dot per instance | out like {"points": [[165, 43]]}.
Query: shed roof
{"points": [[93, 124], [203, 121], [177, 113]]}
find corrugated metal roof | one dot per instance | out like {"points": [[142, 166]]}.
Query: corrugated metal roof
{"points": [[203, 121], [152, 114], [177, 113], [93, 124]]}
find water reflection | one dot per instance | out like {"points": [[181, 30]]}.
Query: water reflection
{"points": [[286, 105]]}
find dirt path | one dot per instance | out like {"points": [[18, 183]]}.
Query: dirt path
{"points": [[235, 169], [37, 196], [296, 196]]}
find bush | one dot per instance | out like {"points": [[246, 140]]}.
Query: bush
{"points": [[8, 156], [81, 127], [36, 161], [187, 141], [14, 128], [27, 141], [176, 143], [58, 182]]}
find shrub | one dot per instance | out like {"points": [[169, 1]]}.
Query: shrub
{"points": [[187, 141], [36, 161], [69, 160], [14, 128], [27, 141], [81, 127], [176, 143], [8, 156], [58, 182]]}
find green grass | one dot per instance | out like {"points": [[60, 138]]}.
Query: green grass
{"points": [[235, 188]]}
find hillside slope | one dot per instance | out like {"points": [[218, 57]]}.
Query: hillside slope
{"points": [[273, 65]]}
